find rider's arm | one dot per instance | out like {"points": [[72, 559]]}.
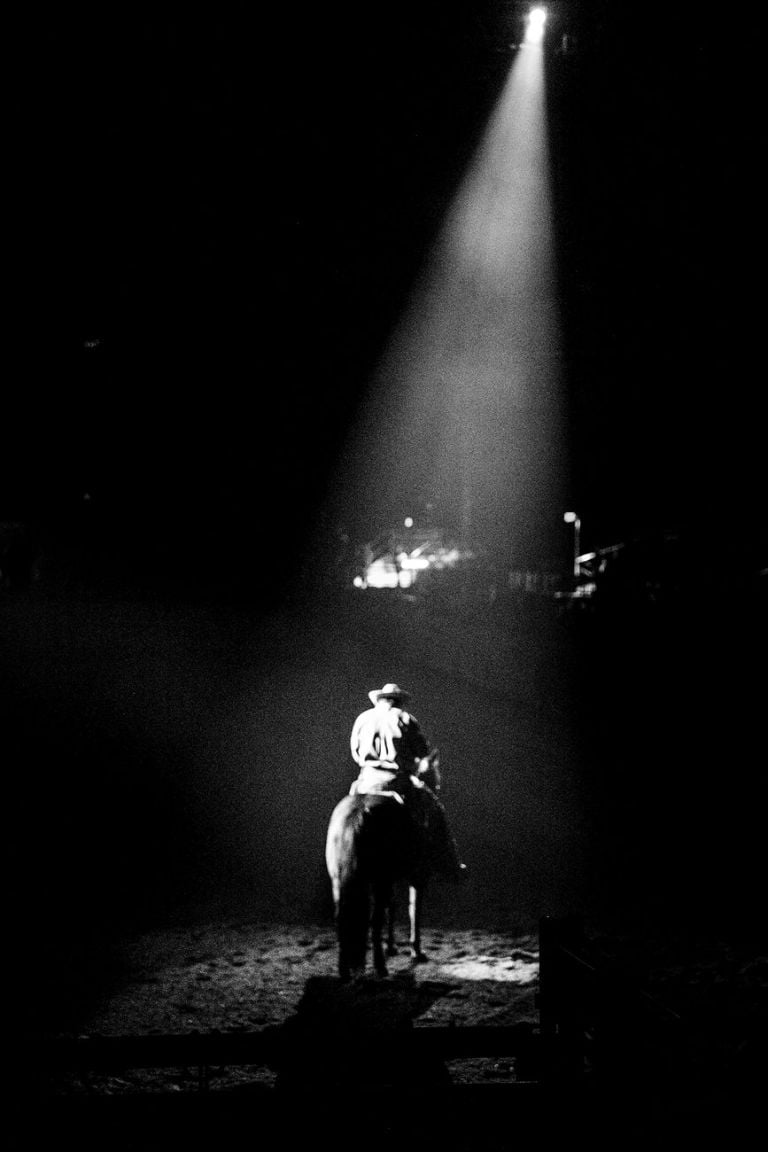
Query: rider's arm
{"points": [[354, 741]]}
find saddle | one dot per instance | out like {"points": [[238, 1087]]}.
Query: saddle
{"points": [[381, 780], [418, 793], [374, 781]]}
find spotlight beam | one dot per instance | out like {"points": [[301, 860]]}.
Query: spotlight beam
{"points": [[469, 393]]}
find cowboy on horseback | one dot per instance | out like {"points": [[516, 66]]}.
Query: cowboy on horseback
{"points": [[395, 760]]}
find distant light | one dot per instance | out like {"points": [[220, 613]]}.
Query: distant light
{"points": [[91, 343], [570, 517], [408, 522], [382, 573], [359, 582], [537, 18]]}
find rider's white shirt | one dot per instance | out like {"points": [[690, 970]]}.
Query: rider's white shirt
{"points": [[387, 737]]}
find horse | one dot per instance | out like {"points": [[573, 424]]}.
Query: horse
{"points": [[376, 841]]}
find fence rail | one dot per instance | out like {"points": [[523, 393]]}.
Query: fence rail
{"points": [[273, 1045]]}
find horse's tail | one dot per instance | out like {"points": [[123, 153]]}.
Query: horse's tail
{"points": [[350, 882]]}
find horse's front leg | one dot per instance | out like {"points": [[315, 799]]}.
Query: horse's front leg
{"points": [[381, 901], [415, 896]]}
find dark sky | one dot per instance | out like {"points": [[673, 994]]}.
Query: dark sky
{"points": [[233, 203]]}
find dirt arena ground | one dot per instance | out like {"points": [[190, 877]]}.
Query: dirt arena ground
{"points": [[181, 762]]}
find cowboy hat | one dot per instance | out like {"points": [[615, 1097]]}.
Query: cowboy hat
{"points": [[388, 692]]}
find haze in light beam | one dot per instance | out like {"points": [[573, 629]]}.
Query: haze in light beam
{"points": [[466, 403]]}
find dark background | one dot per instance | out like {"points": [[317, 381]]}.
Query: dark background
{"points": [[220, 214], [234, 204]]}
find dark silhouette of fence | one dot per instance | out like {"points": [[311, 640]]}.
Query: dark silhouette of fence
{"points": [[596, 1056]]}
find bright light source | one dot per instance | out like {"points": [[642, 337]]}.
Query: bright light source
{"points": [[408, 522], [382, 574], [359, 582], [537, 18], [570, 517]]}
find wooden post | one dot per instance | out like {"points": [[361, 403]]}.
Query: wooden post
{"points": [[561, 996]]}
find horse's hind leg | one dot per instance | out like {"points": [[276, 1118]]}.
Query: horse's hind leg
{"points": [[414, 917], [391, 917], [352, 928], [381, 901], [345, 968]]}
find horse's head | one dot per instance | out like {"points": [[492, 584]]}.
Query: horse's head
{"points": [[429, 770]]}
